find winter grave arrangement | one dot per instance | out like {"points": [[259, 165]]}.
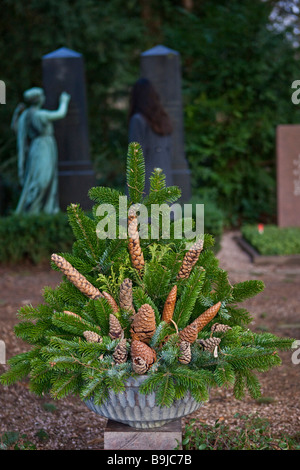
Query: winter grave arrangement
{"points": [[134, 306]]}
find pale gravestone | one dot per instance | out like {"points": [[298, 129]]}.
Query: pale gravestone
{"points": [[63, 70], [288, 175], [162, 67]]}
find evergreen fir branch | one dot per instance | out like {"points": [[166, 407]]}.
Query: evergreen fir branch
{"points": [[251, 358], [29, 312], [239, 386], [70, 296], [209, 241], [161, 332], [156, 281], [224, 375], [65, 384], [114, 253], [238, 316], [245, 290], [90, 387], [270, 341], [151, 383], [84, 230], [52, 299], [16, 372], [252, 384], [135, 173], [165, 391], [102, 311], [72, 324], [78, 263], [169, 354], [222, 287], [185, 304], [105, 195], [172, 262], [33, 333]]}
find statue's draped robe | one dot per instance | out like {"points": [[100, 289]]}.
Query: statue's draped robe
{"points": [[37, 152]]}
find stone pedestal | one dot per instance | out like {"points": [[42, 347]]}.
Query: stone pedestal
{"points": [[288, 175], [63, 70], [118, 436], [162, 67]]}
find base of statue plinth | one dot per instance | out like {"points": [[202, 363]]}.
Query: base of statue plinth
{"points": [[118, 436]]}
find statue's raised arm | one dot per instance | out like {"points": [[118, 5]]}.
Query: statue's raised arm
{"points": [[60, 112], [37, 152]]}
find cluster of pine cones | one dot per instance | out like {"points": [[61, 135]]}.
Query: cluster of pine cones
{"points": [[143, 323]]}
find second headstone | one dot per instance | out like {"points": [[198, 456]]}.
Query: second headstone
{"points": [[162, 67], [63, 70]]}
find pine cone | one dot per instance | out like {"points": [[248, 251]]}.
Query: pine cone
{"points": [[76, 278], [220, 328], [139, 365], [126, 296], [207, 316], [169, 306], [210, 344], [185, 352], [92, 337], [143, 324], [115, 329], [189, 333], [120, 352], [190, 259], [134, 247], [111, 302], [143, 351]]}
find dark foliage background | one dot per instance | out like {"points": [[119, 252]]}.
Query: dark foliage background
{"points": [[237, 74]]}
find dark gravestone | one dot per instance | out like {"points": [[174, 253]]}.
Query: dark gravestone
{"points": [[288, 175], [162, 67], [63, 70]]}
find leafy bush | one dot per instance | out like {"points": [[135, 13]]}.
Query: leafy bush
{"points": [[274, 240], [33, 237]]}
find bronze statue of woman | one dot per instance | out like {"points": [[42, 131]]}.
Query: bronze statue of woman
{"points": [[37, 152]]}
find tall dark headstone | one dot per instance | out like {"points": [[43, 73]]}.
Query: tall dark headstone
{"points": [[63, 70], [162, 66], [288, 175]]}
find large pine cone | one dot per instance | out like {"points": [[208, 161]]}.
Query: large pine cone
{"points": [[115, 329], [143, 324], [207, 316], [75, 277], [169, 306], [120, 352], [220, 328], [189, 333], [185, 352], [92, 337], [126, 296], [134, 247], [139, 365], [143, 351], [190, 259], [210, 344]]}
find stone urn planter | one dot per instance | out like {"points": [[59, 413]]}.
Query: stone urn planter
{"points": [[140, 411]]}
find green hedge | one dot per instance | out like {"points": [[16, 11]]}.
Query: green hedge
{"points": [[33, 237], [274, 240]]}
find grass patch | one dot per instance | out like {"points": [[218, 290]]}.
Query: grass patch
{"points": [[274, 240], [254, 433]]}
